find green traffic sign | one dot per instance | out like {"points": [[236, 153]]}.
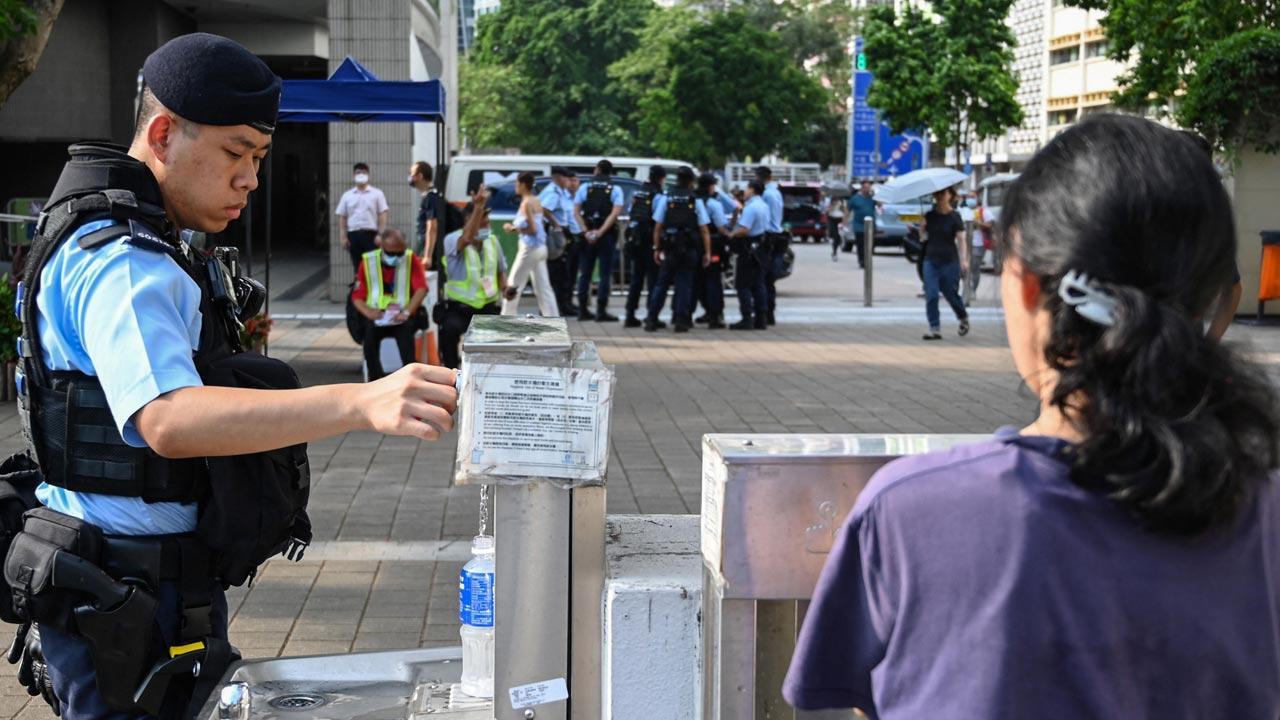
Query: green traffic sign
{"points": [[862, 61]]}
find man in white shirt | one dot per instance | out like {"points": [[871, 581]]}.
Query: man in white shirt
{"points": [[362, 215]]}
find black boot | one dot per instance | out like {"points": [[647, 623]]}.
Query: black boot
{"points": [[585, 314], [650, 326], [715, 323], [743, 324], [632, 321], [704, 318], [603, 315], [769, 319]]}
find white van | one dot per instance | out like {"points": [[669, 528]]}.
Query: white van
{"points": [[467, 172]]}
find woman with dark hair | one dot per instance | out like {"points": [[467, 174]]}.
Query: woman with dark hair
{"points": [[531, 258], [1120, 556]]}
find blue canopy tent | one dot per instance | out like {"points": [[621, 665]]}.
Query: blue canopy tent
{"points": [[353, 94]]}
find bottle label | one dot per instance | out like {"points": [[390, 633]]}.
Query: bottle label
{"points": [[475, 599]]}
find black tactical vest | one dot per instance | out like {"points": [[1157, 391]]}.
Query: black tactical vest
{"points": [[250, 507], [682, 211], [642, 204], [598, 203]]}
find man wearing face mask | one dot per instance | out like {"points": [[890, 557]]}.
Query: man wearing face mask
{"points": [[390, 288], [477, 272], [362, 215]]}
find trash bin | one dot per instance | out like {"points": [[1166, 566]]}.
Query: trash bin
{"points": [[1269, 273]]}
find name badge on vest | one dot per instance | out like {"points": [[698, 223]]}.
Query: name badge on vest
{"points": [[489, 288]]}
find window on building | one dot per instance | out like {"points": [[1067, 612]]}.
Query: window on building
{"points": [[1095, 109], [1064, 55], [1097, 49], [1062, 117], [1059, 3]]}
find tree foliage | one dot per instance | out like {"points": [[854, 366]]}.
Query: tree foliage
{"points": [[950, 70], [680, 81], [558, 52], [1233, 97], [24, 30], [1221, 53]]}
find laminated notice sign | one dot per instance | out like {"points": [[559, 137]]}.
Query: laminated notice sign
{"points": [[533, 421]]}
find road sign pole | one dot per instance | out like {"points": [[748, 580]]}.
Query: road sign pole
{"points": [[875, 156], [869, 246]]}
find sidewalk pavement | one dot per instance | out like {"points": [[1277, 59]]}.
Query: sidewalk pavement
{"points": [[392, 531]]}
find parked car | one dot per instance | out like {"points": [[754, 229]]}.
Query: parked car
{"points": [[802, 215], [900, 223]]}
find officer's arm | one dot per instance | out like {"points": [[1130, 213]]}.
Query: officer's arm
{"points": [[706, 241], [208, 421], [577, 214], [658, 229], [613, 216]]}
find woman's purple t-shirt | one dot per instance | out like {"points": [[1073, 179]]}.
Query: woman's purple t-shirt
{"points": [[981, 582]]}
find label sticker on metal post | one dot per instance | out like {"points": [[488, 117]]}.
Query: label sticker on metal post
{"points": [[535, 421], [539, 693]]}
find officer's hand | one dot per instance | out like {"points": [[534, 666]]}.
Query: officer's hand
{"points": [[33, 673], [417, 400]]}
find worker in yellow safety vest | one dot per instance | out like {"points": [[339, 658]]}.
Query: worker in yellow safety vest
{"points": [[476, 269], [390, 288]]}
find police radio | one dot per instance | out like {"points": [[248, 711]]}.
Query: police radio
{"points": [[240, 296]]}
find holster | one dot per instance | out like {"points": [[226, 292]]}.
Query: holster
{"points": [[66, 574]]}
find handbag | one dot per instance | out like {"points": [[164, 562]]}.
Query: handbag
{"points": [[556, 243]]}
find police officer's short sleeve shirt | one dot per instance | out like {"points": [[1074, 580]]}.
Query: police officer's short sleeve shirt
{"points": [[755, 217], [660, 210], [553, 202], [131, 317], [773, 198], [715, 211]]}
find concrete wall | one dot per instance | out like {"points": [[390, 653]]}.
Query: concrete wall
{"points": [[373, 32], [1255, 187], [68, 97]]}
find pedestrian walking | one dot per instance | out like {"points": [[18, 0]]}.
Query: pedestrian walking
{"points": [[639, 245], [531, 258], [943, 264], [390, 288], [1136, 520], [362, 215], [776, 241], [863, 206], [597, 206], [749, 246], [835, 221]]}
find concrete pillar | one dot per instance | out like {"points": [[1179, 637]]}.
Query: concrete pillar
{"points": [[374, 32]]}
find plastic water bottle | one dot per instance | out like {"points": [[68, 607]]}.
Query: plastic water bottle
{"points": [[475, 611]]}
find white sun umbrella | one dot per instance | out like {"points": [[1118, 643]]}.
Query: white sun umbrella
{"points": [[916, 183]]}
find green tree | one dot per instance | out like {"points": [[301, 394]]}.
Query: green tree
{"points": [[716, 86], [24, 30], [547, 61], [1210, 64], [949, 70]]}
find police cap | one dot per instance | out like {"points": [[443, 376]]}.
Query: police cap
{"points": [[211, 80], [561, 170]]}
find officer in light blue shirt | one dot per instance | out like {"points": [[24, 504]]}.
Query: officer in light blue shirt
{"points": [[749, 240], [557, 201], [708, 284], [777, 243], [681, 246], [701, 208], [598, 204], [119, 319]]}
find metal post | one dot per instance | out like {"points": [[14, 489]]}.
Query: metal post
{"points": [[531, 586], [869, 246], [587, 569], [875, 156]]}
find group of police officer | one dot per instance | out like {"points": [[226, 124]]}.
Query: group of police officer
{"points": [[681, 239]]}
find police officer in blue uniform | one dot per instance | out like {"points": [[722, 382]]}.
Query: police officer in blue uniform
{"points": [[680, 246], [748, 244], [557, 206], [598, 205], [709, 280], [777, 242], [639, 244], [173, 462]]}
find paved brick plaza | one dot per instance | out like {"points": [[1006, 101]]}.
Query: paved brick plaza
{"points": [[394, 531]]}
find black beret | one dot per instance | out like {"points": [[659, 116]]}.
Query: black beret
{"points": [[561, 170], [211, 80]]}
